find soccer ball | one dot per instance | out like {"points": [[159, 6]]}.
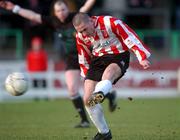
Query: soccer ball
{"points": [[16, 84]]}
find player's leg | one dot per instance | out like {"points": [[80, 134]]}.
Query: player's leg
{"points": [[111, 73], [73, 81], [112, 99], [95, 112]]}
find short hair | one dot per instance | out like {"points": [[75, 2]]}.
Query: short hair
{"points": [[79, 18], [58, 2]]}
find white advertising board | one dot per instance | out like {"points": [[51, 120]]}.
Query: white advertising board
{"points": [[135, 83]]}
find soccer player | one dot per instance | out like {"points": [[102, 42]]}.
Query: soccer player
{"points": [[103, 44], [62, 21]]}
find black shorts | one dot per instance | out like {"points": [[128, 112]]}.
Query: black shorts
{"points": [[99, 64], [71, 62]]}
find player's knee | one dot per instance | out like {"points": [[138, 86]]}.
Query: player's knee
{"points": [[115, 68], [112, 72]]}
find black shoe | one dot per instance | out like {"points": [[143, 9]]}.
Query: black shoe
{"points": [[112, 101], [100, 136], [96, 98], [83, 124]]}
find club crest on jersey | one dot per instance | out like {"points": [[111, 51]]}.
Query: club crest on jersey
{"points": [[107, 43]]}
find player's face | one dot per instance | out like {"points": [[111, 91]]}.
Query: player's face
{"points": [[86, 28], [61, 11]]}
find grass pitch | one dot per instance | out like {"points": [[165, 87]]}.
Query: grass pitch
{"points": [[139, 119]]}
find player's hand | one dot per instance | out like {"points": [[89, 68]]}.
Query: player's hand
{"points": [[145, 63], [7, 5]]}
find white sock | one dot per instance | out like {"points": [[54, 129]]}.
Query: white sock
{"points": [[97, 117], [105, 86]]}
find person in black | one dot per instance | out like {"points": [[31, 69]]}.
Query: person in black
{"points": [[62, 21]]}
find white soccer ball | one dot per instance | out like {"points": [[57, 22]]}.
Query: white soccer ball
{"points": [[16, 83]]}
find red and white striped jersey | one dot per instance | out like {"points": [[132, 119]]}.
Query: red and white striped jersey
{"points": [[112, 37]]}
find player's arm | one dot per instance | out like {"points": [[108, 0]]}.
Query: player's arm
{"points": [[133, 42], [28, 14], [87, 6]]}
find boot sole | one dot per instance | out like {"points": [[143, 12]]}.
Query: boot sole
{"points": [[95, 99]]}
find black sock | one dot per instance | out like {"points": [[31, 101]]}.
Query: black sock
{"points": [[108, 95], [78, 104]]}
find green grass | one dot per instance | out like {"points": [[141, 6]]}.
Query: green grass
{"points": [[140, 119]]}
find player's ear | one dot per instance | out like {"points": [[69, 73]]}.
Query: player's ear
{"points": [[91, 19]]}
